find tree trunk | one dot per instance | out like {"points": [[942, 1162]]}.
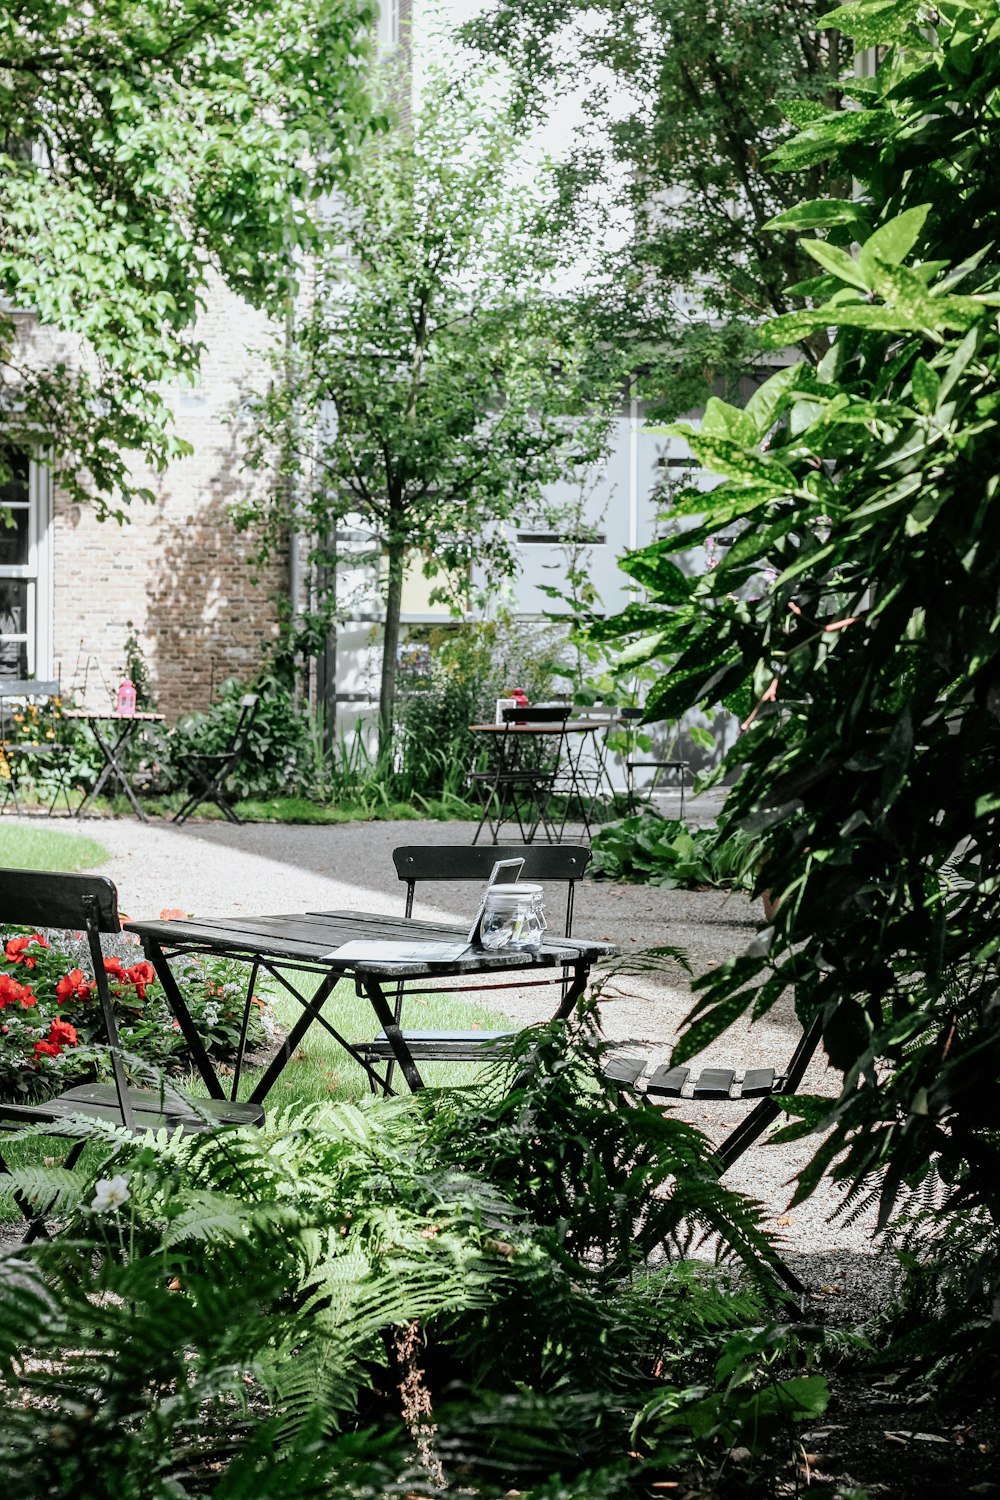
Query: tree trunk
{"points": [[387, 688]]}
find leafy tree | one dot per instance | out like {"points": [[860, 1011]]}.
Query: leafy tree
{"points": [[144, 149], [440, 381], [683, 103], [857, 610]]}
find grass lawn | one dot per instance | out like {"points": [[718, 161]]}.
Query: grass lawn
{"points": [[302, 809], [322, 1071], [48, 849]]}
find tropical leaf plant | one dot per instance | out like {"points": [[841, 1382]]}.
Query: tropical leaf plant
{"points": [[855, 618]]}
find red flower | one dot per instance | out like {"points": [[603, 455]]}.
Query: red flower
{"points": [[113, 966], [73, 986], [62, 1034], [142, 975], [47, 1049], [15, 953], [12, 993]]}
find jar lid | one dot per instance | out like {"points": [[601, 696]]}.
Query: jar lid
{"points": [[513, 895]]}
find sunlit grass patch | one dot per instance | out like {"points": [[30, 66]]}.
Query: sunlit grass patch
{"points": [[24, 848]]}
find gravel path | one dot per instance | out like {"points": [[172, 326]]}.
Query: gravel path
{"points": [[216, 869]]}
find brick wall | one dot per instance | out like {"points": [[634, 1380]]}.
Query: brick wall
{"points": [[177, 570]]}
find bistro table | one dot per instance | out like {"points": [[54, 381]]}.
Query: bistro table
{"points": [[113, 746], [308, 943], [568, 774]]}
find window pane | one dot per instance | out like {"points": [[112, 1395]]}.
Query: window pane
{"points": [[13, 622], [13, 536], [14, 489]]}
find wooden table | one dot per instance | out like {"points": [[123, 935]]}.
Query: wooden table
{"points": [[307, 943], [113, 748], [507, 744]]}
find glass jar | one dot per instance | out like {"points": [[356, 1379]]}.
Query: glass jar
{"points": [[514, 917]]}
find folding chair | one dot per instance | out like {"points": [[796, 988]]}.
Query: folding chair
{"points": [[765, 1085], [528, 753], [29, 898], [210, 772], [636, 761], [417, 864], [17, 698]]}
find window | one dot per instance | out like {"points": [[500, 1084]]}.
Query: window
{"points": [[388, 25], [25, 594]]}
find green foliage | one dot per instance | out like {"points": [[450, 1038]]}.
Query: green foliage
{"points": [[941, 1325], [702, 97], [663, 851], [857, 605], [144, 150], [435, 1294], [459, 381], [281, 750]]}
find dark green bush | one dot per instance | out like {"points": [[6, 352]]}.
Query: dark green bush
{"points": [[281, 753]]}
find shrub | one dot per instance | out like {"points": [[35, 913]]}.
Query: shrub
{"points": [[281, 753], [664, 851]]}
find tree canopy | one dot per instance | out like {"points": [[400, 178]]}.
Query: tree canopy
{"points": [[144, 147], [854, 620], [441, 378], [683, 104]]}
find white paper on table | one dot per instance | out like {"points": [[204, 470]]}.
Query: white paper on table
{"points": [[411, 951]]}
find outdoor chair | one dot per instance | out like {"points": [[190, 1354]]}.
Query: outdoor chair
{"points": [[211, 772], [419, 864], [524, 773], [89, 903], [637, 760], [35, 753], [764, 1085]]}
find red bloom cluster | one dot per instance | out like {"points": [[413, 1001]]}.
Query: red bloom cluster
{"points": [[12, 993], [73, 986], [15, 951], [142, 974], [61, 1034]]}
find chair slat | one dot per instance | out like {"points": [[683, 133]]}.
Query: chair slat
{"points": [[758, 1083], [441, 1046], [713, 1083], [668, 1081], [151, 1110], [624, 1070]]}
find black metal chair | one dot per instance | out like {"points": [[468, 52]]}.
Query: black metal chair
{"points": [[210, 772], [32, 752], [765, 1085], [518, 785], [637, 760], [29, 898], [418, 864]]}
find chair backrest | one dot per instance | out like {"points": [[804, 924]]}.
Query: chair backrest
{"points": [[556, 863], [539, 713], [43, 898], [27, 687], [248, 712]]}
